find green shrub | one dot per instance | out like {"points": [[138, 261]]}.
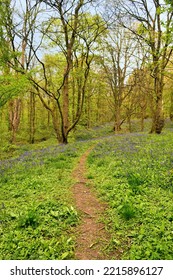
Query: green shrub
{"points": [[127, 211], [29, 218]]}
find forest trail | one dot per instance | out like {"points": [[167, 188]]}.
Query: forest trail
{"points": [[91, 237]]}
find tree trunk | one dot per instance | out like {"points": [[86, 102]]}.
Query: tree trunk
{"points": [[158, 117], [65, 121], [142, 115], [48, 115], [14, 117], [129, 121], [88, 111], [32, 118], [56, 125], [142, 120], [117, 120], [171, 108], [65, 95]]}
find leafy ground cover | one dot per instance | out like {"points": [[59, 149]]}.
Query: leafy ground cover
{"points": [[37, 213], [134, 174]]}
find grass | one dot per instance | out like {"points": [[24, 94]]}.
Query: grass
{"points": [[37, 213], [133, 173]]}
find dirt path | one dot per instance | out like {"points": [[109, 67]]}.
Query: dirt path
{"points": [[91, 235]]}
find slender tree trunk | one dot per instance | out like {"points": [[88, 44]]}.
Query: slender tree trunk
{"points": [[16, 104], [158, 117], [88, 111], [171, 107], [56, 126], [118, 119], [14, 117], [32, 118], [65, 95], [129, 121], [73, 100], [98, 114], [48, 115], [142, 118], [65, 109]]}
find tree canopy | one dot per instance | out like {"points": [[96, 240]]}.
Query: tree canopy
{"points": [[55, 50]]}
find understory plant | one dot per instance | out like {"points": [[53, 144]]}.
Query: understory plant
{"points": [[133, 173], [37, 212]]}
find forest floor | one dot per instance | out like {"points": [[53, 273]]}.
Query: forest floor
{"points": [[91, 236], [105, 198]]}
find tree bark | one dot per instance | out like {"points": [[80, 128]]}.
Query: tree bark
{"points": [[158, 116], [32, 118], [118, 118], [14, 117], [171, 107]]}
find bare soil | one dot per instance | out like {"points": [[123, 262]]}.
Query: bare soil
{"points": [[92, 237]]}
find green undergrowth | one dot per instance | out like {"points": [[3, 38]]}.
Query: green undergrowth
{"points": [[8, 150], [37, 213], [82, 134], [133, 173]]}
